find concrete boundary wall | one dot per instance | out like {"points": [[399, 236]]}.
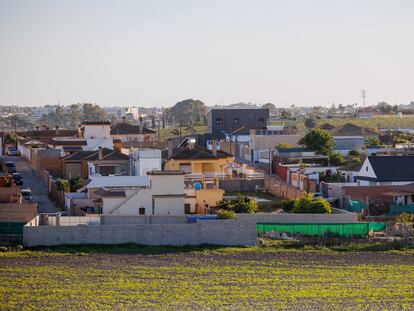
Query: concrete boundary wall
{"points": [[221, 232], [300, 218]]}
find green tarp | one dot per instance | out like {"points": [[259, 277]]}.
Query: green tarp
{"points": [[11, 228], [358, 230]]}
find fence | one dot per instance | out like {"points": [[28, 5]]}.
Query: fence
{"points": [[240, 185], [398, 209], [358, 230], [356, 206], [281, 189]]}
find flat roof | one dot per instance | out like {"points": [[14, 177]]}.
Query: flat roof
{"points": [[172, 172]]}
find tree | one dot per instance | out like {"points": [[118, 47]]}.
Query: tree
{"points": [[319, 141], [187, 111], [10, 138], [93, 112], [384, 107], [310, 122], [286, 114], [271, 107]]}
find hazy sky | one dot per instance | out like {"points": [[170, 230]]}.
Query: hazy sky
{"points": [[153, 52]]}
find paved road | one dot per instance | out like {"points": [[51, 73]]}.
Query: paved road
{"points": [[45, 205]]}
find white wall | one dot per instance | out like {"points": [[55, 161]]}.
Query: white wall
{"points": [[169, 206]]}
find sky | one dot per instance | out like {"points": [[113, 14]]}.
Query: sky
{"points": [[156, 53]]}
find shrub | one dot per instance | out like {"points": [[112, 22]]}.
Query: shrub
{"points": [[224, 214], [63, 185], [353, 153], [76, 183], [287, 205], [336, 158], [308, 205], [243, 204], [405, 218], [224, 204]]}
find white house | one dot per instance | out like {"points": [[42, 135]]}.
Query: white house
{"points": [[159, 193], [143, 160], [97, 134], [386, 170]]}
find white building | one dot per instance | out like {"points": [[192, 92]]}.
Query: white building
{"points": [[386, 171], [97, 134], [144, 160], [159, 193], [134, 111]]}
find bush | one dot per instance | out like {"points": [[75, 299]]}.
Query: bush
{"points": [[243, 204], [63, 185], [224, 214], [336, 158], [287, 205], [76, 183], [308, 205], [353, 153], [405, 218]]}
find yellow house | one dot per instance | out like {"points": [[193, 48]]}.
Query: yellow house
{"points": [[203, 168], [195, 160]]}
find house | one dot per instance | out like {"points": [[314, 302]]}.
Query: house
{"points": [[386, 170], [144, 160], [226, 121], [159, 193], [103, 161], [198, 162], [127, 132], [381, 199], [47, 134], [97, 134], [344, 144], [350, 129], [67, 146]]}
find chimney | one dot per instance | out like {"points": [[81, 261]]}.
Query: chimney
{"points": [[170, 148], [100, 156], [214, 147]]}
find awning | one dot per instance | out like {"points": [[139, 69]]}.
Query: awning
{"points": [[232, 166]]}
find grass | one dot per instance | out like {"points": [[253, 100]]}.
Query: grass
{"points": [[278, 275], [167, 133], [385, 121]]}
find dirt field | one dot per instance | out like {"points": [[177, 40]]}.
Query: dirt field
{"points": [[212, 279]]}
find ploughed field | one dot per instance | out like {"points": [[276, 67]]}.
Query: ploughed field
{"points": [[207, 279]]}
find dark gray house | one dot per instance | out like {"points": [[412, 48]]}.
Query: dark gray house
{"points": [[240, 121]]}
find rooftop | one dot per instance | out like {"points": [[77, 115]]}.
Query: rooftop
{"points": [[118, 181], [125, 129], [107, 154]]}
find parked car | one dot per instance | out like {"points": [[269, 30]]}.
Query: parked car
{"points": [[12, 151], [27, 194], [18, 178], [11, 167]]}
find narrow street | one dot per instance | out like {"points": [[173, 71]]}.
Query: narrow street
{"points": [[45, 205]]}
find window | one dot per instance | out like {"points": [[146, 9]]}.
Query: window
{"points": [[142, 210], [366, 168], [219, 121], [236, 120], [260, 120]]}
